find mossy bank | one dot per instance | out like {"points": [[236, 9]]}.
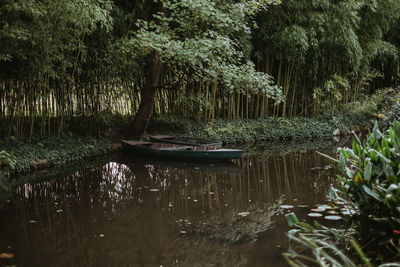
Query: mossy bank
{"points": [[47, 151]]}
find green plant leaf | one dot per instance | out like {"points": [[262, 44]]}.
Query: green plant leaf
{"points": [[356, 147], [342, 161], [368, 170], [372, 193], [291, 219]]}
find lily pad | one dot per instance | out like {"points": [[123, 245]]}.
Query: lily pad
{"points": [[324, 207], [314, 214], [332, 218]]}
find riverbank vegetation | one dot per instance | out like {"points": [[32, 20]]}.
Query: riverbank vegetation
{"points": [[46, 151], [189, 59], [237, 71], [369, 189]]}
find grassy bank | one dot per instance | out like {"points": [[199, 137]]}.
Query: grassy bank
{"points": [[47, 151], [262, 130]]}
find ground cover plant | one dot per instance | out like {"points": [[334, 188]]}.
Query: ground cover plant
{"points": [[47, 151]]}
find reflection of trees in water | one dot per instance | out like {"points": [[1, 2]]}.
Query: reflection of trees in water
{"points": [[264, 179], [69, 215]]}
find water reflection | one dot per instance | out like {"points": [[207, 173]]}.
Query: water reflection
{"points": [[132, 213]]}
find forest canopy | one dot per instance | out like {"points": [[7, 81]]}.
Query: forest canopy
{"points": [[203, 59]]}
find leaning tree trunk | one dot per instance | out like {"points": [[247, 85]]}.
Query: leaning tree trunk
{"points": [[148, 92]]}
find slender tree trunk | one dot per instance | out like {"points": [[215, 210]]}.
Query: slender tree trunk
{"points": [[148, 93]]}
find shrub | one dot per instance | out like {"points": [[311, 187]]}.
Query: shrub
{"points": [[371, 184]]}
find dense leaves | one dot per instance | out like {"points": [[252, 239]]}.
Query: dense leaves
{"points": [[220, 59]]}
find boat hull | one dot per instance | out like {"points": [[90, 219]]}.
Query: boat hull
{"points": [[180, 152], [185, 141]]}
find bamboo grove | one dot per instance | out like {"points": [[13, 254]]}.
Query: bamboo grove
{"points": [[69, 59]]}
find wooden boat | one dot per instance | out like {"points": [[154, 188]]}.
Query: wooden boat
{"points": [[182, 152], [182, 140]]}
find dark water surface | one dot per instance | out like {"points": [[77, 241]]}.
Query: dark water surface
{"points": [[132, 212]]}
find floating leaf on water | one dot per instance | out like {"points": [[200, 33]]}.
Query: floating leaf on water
{"points": [[145, 186], [101, 235], [303, 206], [154, 190], [324, 207], [6, 255], [333, 218], [196, 168], [60, 210], [32, 221], [188, 197], [314, 214], [183, 232], [315, 210], [211, 193], [332, 212], [345, 212], [195, 200], [285, 207], [243, 214]]}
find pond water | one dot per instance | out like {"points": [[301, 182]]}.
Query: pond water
{"points": [[126, 211]]}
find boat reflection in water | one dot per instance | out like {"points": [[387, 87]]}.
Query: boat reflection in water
{"points": [[218, 166], [135, 212]]}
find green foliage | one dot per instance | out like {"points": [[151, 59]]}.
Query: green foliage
{"points": [[18, 157], [371, 181], [201, 41], [298, 42], [256, 131], [331, 93], [7, 162], [52, 31], [7, 166], [171, 125], [322, 246], [393, 115]]}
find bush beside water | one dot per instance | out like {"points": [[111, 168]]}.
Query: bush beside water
{"points": [[370, 187]]}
